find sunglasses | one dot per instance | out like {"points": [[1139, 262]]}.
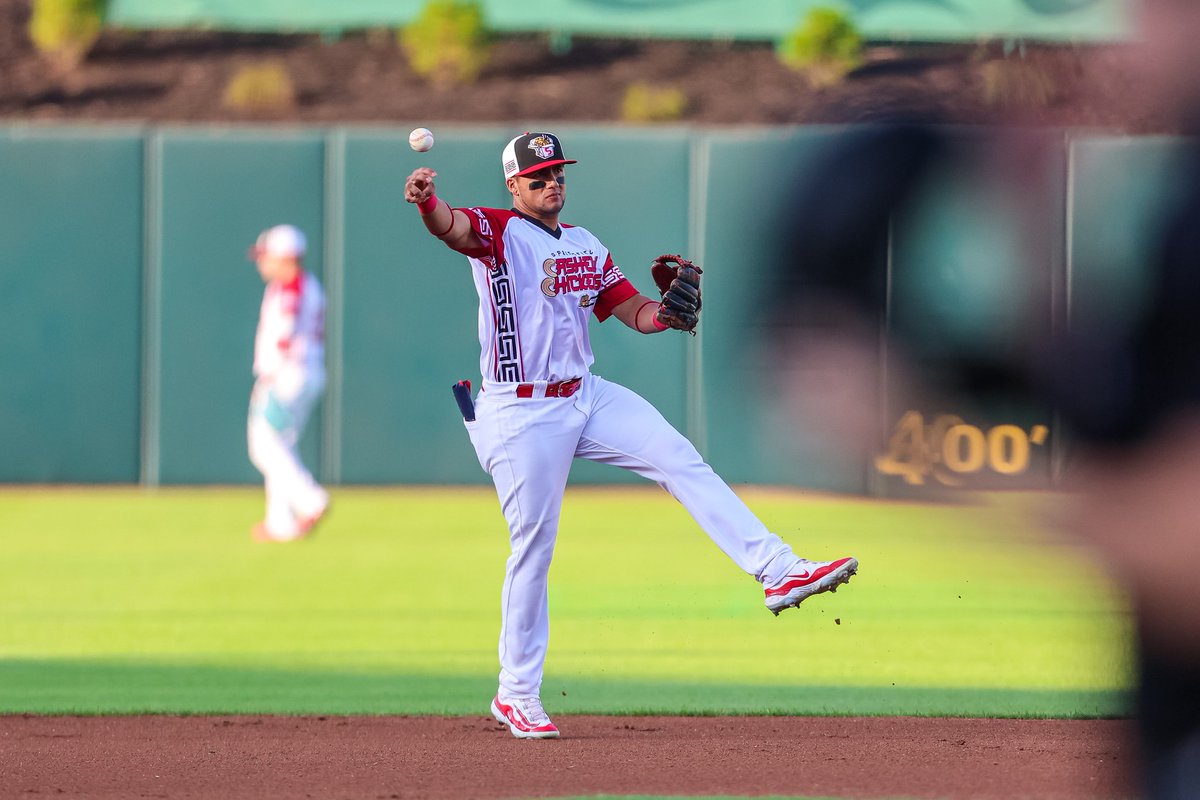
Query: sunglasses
{"points": [[559, 179]]}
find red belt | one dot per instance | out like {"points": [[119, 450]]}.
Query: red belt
{"points": [[558, 389]]}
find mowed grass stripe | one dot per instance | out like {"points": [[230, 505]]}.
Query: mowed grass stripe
{"points": [[161, 597]]}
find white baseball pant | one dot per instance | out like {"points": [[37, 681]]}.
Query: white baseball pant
{"points": [[527, 445], [279, 411]]}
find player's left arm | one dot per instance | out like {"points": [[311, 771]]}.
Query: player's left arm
{"points": [[639, 312], [620, 299]]}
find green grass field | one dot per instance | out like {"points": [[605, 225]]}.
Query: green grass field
{"points": [[122, 600]]}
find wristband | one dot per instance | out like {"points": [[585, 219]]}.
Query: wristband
{"points": [[428, 205], [653, 317]]}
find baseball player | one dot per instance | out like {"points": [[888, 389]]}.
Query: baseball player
{"points": [[289, 373], [540, 282]]}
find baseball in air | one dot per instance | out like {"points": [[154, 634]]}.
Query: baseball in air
{"points": [[421, 139]]}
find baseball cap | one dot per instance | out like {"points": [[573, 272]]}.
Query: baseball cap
{"points": [[282, 241], [530, 152]]}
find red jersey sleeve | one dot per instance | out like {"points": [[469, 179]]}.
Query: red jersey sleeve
{"points": [[488, 223], [615, 289]]}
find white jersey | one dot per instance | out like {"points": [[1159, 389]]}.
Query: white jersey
{"points": [[291, 327], [537, 291]]}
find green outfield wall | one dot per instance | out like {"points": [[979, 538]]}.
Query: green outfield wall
{"points": [[210, 196], [128, 305], [769, 20], [71, 224]]}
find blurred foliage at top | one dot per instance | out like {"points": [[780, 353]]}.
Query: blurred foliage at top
{"points": [[825, 46], [448, 42], [65, 30]]}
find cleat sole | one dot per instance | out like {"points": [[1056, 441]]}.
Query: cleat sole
{"points": [[832, 588]]}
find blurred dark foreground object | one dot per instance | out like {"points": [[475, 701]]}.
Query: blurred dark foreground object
{"points": [[1128, 391]]}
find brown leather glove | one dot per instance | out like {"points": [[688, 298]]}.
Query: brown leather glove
{"points": [[679, 282]]}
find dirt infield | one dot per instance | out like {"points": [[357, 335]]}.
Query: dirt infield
{"points": [[473, 757]]}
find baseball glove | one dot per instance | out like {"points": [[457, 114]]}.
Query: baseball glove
{"points": [[679, 282]]}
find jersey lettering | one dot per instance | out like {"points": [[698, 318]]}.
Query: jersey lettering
{"points": [[484, 227], [612, 275], [568, 274]]}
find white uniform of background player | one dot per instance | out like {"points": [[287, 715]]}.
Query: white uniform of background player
{"points": [[539, 285], [289, 373]]}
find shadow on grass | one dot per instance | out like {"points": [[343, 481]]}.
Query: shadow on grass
{"points": [[133, 687]]}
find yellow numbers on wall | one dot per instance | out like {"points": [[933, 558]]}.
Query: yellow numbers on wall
{"points": [[948, 448]]}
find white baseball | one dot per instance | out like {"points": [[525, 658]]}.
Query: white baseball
{"points": [[421, 139]]}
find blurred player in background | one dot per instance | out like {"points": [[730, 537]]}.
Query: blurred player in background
{"points": [[289, 379], [540, 283]]}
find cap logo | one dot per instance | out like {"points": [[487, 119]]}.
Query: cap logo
{"points": [[542, 146]]}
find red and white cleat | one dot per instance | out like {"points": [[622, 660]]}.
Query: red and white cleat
{"points": [[307, 524], [524, 716], [261, 533], [807, 578]]}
